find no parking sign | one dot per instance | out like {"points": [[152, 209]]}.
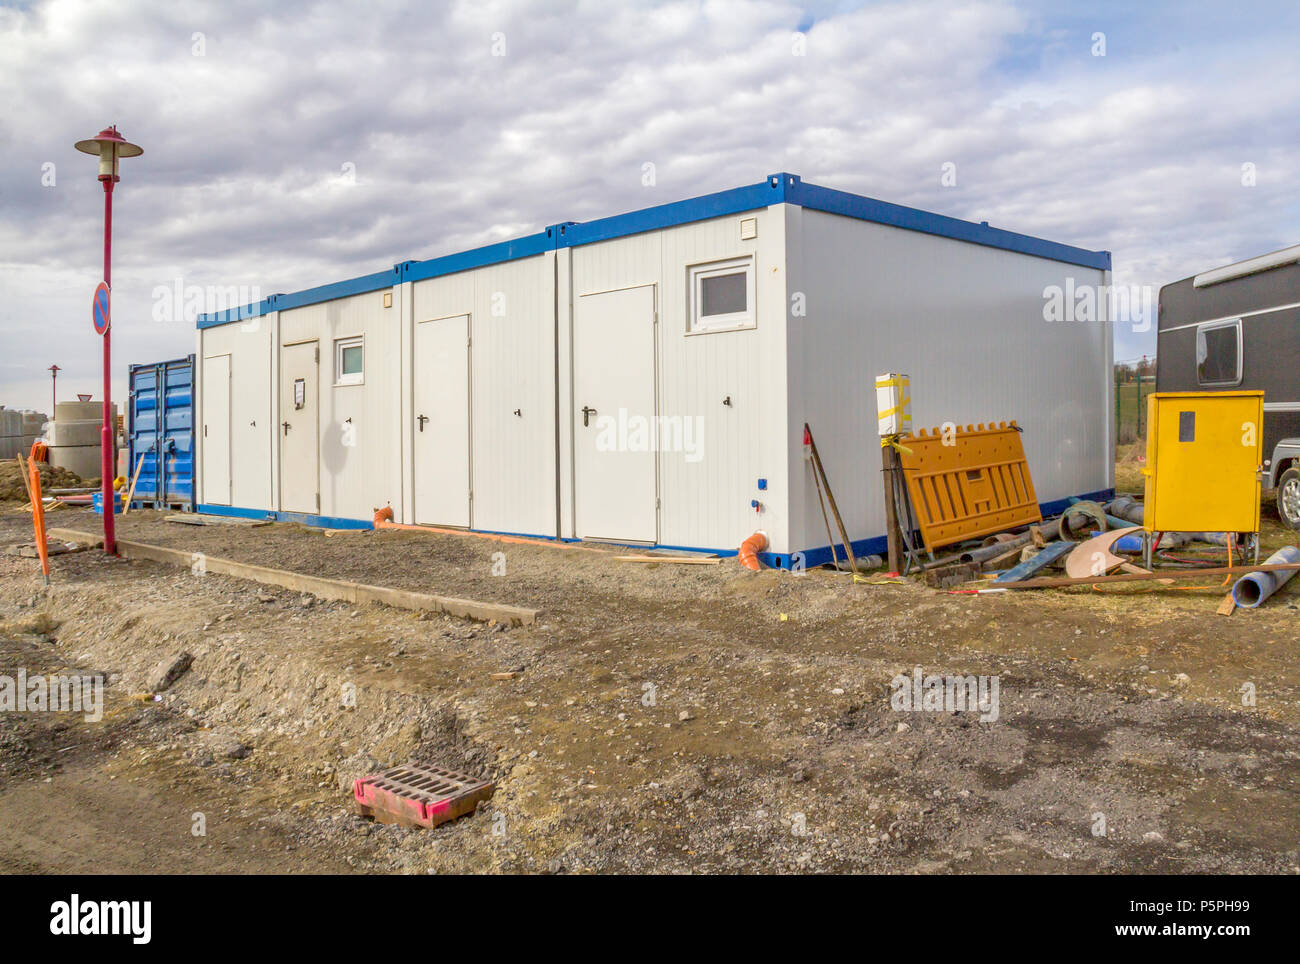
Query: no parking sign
{"points": [[99, 308]]}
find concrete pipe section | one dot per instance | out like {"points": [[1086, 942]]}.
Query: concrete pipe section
{"points": [[1253, 588]]}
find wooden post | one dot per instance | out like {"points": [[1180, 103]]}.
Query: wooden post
{"points": [[894, 535]]}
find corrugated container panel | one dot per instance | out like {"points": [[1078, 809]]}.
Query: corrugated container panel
{"points": [[162, 431], [966, 322]]}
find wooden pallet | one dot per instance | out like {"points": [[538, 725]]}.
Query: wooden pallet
{"points": [[419, 796]]}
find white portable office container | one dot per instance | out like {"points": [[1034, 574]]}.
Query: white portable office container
{"points": [[645, 378]]}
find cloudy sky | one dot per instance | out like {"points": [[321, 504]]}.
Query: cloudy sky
{"points": [[291, 144]]}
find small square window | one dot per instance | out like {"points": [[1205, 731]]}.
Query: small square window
{"points": [[349, 361], [722, 295]]}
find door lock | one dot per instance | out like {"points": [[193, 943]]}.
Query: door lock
{"points": [[286, 428], [422, 419], [587, 412]]}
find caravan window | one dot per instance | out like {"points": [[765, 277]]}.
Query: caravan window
{"points": [[1218, 353]]}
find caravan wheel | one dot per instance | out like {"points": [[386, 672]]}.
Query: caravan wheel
{"points": [[1288, 497]]}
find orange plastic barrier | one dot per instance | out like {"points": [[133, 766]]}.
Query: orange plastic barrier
{"points": [[969, 483]]}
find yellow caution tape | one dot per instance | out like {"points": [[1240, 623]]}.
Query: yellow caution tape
{"points": [[896, 409], [892, 440]]}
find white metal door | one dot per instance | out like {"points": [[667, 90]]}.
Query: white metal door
{"points": [[442, 440], [614, 427], [300, 428], [216, 430]]}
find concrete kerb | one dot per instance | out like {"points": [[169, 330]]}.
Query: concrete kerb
{"points": [[322, 588]]}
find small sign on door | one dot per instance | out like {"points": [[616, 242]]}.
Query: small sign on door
{"points": [[299, 392]]}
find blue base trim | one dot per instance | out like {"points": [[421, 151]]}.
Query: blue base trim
{"points": [[821, 556], [320, 521], [879, 545], [806, 558]]}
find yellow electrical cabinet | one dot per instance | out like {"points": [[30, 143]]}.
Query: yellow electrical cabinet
{"points": [[1204, 452]]}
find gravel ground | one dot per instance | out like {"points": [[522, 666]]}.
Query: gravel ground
{"points": [[663, 718]]}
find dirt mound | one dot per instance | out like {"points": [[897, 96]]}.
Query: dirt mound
{"points": [[12, 488]]}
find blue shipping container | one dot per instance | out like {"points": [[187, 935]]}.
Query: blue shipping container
{"points": [[162, 430]]}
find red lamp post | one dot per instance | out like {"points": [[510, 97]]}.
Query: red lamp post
{"points": [[109, 146], [54, 389]]}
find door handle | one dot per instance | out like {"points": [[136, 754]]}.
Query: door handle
{"points": [[422, 419], [286, 428], [587, 412]]}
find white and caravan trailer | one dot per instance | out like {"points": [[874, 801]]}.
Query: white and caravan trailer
{"points": [[645, 378]]}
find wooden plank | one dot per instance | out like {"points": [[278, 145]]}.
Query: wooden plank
{"points": [[130, 493], [1002, 558], [318, 586], [678, 560], [194, 519], [1160, 575], [1045, 557], [830, 499]]}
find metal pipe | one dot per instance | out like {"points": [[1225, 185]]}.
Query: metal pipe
{"points": [[984, 552], [1134, 513], [1253, 588], [1126, 508]]}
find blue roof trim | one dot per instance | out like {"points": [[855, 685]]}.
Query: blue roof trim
{"points": [[311, 296], [497, 253], [782, 188], [913, 219], [748, 198]]}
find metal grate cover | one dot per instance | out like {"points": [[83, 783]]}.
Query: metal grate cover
{"points": [[420, 796]]}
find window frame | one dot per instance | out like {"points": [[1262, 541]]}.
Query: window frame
{"points": [[1208, 326], [696, 274], [340, 344]]}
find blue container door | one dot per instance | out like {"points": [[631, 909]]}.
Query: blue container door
{"points": [[177, 430], [162, 430], [144, 432]]}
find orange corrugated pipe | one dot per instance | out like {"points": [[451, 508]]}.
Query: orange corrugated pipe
{"points": [[750, 548]]}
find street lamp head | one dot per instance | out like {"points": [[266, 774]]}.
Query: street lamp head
{"points": [[109, 146]]}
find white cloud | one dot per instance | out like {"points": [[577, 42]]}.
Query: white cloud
{"points": [[244, 179]]}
